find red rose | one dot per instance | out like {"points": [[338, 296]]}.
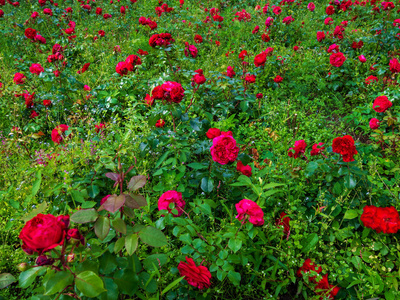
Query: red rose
{"points": [[243, 54], [74, 234], [299, 149], [172, 197], [173, 91], [99, 127], [381, 104], [43, 233], [47, 103], [249, 210], [122, 68], [370, 79], [394, 65], [385, 219], [337, 59], [36, 69], [250, 78], [132, 61], [259, 96], [199, 78], [315, 150], [160, 123], [320, 36], [260, 59], [374, 123], [330, 10], [57, 133], [198, 39], [30, 33], [345, 147], [230, 72], [224, 149], [158, 92], [245, 170], [307, 267], [149, 100], [197, 276], [213, 133], [283, 221], [278, 79], [19, 78]]}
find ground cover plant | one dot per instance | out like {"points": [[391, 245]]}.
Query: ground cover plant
{"points": [[199, 149]]}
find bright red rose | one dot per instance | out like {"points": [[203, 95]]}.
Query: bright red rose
{"points": [[249, 210], [158, 92], [243, 54], [320, 36], [198, 39], [388, 219], [122, 68], [57, 133], [230, 72], [370, 79], [245, 170], [260, 59], [33, 114], [277, 10], [394, 65], [160, 123], [132, 61], [278, 79], [374, 123], [224, 149], [330, 10], [173, 91], [315, 150], [345, 147], [250, 78], [99, 127], [213, 133], [47, 103], [43, 233], [30, 33], [337, 59], [36, 69], [199, 78], [19, 78], [197, 276], [164, 202], [84, 68], [149, 100], [381, 104], [299, 149]]}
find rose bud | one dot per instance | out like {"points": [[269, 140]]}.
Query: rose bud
{"points": [[43, 260], [23, 267], [70, 257], [74, 236]]}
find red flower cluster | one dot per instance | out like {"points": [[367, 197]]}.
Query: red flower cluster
{"points": [[163, 9], [299, 149], [170, 91], [161, 39], [323, 286], [381, 219], [57, 133], [123, 67], [345, 147], [148, 22], [197, 276]]}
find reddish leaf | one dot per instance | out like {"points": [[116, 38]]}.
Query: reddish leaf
{"points": [[136, 182], [114, 203], [112, 176]]}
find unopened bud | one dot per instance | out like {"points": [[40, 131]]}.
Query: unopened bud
{"points": [[23, 267], [70, 257], [43, 260]]}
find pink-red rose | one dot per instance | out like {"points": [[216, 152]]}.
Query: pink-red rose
{"points": [[249, 210], [171, 199], [224, 149], [197, 276]]}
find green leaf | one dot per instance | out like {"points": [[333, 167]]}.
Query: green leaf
{"points": [[311, 168], [350, 182], [107, 262], [244, 105], [27, 277], [161, 159], [127, 281], [157, 260], [6, 279], [114, 203], [58, 282], [119, 225], [102, 227], [77, 196], [84, 216], [234, 277], [136, 182], [40, 208], [309, 242], [131, 243], [119, 244], [207, 184], [235, 244], [153, 236], [135, 201], [272, 185], [112, 292], [351, 214], [89, 284], [93, 191], [197, 166], [36, 184], [171, 285]]}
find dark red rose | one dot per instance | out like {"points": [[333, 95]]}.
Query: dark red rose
{"points": [[260, 59], [30, 33], [43, 233], [132, 61], [330, 10], [43, 260], [283, 221], [213, 133], [74, 235], [47, 103], [345, 147], [122, 68], [245, 170], [160, 123], [337, 59], [388, 219], [197, 276], [381, 104], [158, 92]]}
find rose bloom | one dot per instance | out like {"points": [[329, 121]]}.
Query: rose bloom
{"points": [[315, 150], [325, 288], [132, 61], [374, 123], [288, 20], [394, 65], [260, 59], [198, 39], [197, 276], [40, 39], [278, 79], [224, 149], [371, 79], [250, 78], [334, 48], [100, 127], [122, 68], [299, 149], [230, 72], [381, 219], [245, 170], [149, 100], [57, 133], [243, 54], [19, 78], [277, 10], [308, 266], [283, 221], [249, 210], [330, 10], [199, 78], [345, 147], [295, 48], [328, 21], [43, 233], [320, 36], [36, 69], [47, 103], [1, 13], [191, 50], [381, 104], [337, 59], [362, 58], [48, 11], [102, 33], [269, 21], [160, 123], [311, 6], [259, 95], [86, 87], [256, 29], [30, 33], [213, 133], [164, 202], [34, 114]]}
